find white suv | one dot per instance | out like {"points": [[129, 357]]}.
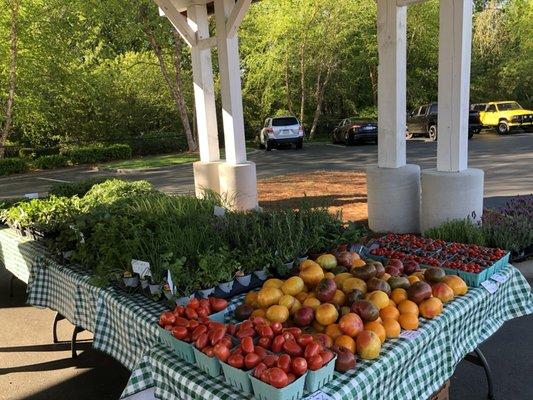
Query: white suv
{"points": [[281, 130]]}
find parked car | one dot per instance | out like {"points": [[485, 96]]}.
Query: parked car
{"points": [[422, 121], [505, 116], [281, 131], [351, 130]]}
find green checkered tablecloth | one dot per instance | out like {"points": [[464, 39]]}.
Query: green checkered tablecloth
{"points": [[406, 369]]}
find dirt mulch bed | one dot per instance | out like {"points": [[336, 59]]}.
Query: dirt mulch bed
{"points": [[338, 190]]}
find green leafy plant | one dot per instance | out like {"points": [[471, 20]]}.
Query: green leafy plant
{"points": [[461, 230], [79, 188], [215, 267], [51, 162], [12, 166]]}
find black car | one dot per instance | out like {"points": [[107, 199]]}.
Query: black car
{"points": [[422, 121], [351, 131]]}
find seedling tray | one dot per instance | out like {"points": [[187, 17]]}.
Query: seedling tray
{"points": [[264, 391], [237, 378], [316, 379], [210, 365], [183, 350]]}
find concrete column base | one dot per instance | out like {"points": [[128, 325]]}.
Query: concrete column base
{"points": [[393, 199], [450, 195], [238, 185], [206, 177]]}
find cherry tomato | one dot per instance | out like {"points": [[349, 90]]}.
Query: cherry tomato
{"points": [[315, 363], [277, 343], [265, 376], [294, 330], [292, 348], [304, 339], [277, 327], [216, 335], [327, 356], [180, 321], [247, 345], [261, 351], [270, 360], [200, 329], [167, 318], [284, 362], [278, 378], [226, 341], [202, 312], [179, 311], [299, 366], [218, 304], [291, 377], [264, 341], [261, 367], [251, 360], [179, 332], [242, 333], [193, 324], [221, 352], [287, 335], [266, 331], [311, 350], [236, 361], [208, 351], [258, 321], [231, 328], [202, 341]]}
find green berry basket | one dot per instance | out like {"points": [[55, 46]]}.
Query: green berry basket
{"points": [[219, 316], [475, 280], [237, 378], [316, 379], [264, 391], [210, 365], [182, 349]]}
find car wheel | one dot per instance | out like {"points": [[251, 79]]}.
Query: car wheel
{"points": [[299, 144], [503, 128], [347, 140], [268, 146], [432, 132]]}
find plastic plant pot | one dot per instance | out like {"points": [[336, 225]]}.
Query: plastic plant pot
{"points": [[131, 281], [226, 286], [244, 280], [144, 283], [205, 293], [155, 288], [182, 301], [261, 274]]}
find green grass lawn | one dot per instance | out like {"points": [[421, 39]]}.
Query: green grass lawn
{"points": [[163, 160]]}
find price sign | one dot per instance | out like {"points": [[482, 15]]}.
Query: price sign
{"points": [[490, 286], [219, 211], [141, 267], [32, 195], [410, 335], [499, 278], [319, 395], [170, 283]]}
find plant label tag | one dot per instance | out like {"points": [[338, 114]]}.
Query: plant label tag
{"points": [[32, 195], [490, 286], [219, 211], [170, 283], [141, 267], [319, 395], [499, 278], [410, 335]]}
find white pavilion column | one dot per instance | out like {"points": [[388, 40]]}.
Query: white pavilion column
{"points": [[238, 181], [393, 187], [206, 171], [452, 190]]}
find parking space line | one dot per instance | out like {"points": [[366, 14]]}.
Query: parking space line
{"points": [[54, 180]]}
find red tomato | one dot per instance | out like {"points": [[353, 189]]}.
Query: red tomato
{"points": [[200, 329], [258, 321], [217, 304], [270, 360], [315, 363], [231, 328], [260, 351], [311, 350], [236, 361], [278, 378], [208, 351], [299, 366], [264, 341], [167, 318], [248, 332], [180, 332], [291, 377], [246, 325], [204, 320], [261, 367], [294, 330], [251, 360], [221, 352], [205, 303], [202, 312], [237, 350], [277, 343], [292, 348], [266, 331], [327, 356], [284, 362], [179, 311], [216, 335], [193, 324], [180, 321], [287, 335], [193, 303], [247, 345], [169, 327], [276, 327], [304, 339], [215, 325], [265, 376], [202, 341], [226, 341], [191, 313]]}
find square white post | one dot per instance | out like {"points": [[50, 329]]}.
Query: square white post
{"points": [[392, 38], [230, 85], [204, 90], [455, 38]]}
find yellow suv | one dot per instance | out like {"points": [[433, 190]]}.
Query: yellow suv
{"points": [[505, 116]]}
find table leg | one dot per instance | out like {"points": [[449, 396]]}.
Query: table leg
{"points": [[77, 329], [477, 358], [57, 318]]}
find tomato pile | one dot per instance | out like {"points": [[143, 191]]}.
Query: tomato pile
{"points": [[464, 257]]}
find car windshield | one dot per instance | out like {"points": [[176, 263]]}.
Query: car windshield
{"points": [[478, 107], [513, 105], [284, 121]]}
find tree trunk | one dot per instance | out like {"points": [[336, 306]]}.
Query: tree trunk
{"points": [[287, 85], [302, 84], [180, 100], [320, 90], [174, 85], [374, 84], [6, 131]]}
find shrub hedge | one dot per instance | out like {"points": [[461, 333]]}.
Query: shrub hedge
{"points": [[158, 143], [95, 154], [75, 188], [51, 162], [12, 165]]}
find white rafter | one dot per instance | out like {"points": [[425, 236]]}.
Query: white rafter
{"points": [[178, 20]]}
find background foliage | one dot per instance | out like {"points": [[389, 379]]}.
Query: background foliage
{"points": [[87, 72]]}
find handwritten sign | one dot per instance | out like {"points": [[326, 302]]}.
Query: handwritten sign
{"points": [[499, 278], [141, 267], [170, 283], [319, 395], [490, 286], [409, 335], [219, 211]]}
